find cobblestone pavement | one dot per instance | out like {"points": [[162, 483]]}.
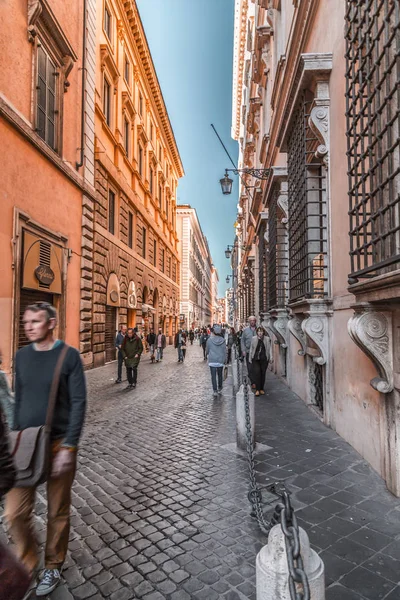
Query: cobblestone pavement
{"points": [[160, 506]]}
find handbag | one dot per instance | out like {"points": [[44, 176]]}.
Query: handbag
{"points": [[225, 372], [30, 447], [14, 579]]}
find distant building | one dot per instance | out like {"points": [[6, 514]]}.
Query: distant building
{"points": [[197, 304], [214, 292], [229, 307], [221, 310], [135, 265]]}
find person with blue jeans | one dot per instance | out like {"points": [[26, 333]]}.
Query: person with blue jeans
{"points": [[180, 339], [216, 355], [118, 343]]}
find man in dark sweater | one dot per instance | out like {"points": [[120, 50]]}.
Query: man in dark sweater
{"points": [[34, 369], [118, 343]]}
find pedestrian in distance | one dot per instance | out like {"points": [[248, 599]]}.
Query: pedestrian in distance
{"points": [[118, 343], [151, 342], [161, 343], [36, 368], [191, 336], [230, 343], [180, 339], [203, 342], [259, 357], [216, 355], [132, 348], [245, 343]]}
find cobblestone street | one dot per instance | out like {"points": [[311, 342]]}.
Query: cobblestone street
{"points": [[160, 504]]}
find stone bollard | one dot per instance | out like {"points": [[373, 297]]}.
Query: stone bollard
{"points": [[272, 569], [241, 432]]}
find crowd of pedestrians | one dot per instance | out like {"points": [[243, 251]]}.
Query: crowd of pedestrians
{"points": [[41, 425]]}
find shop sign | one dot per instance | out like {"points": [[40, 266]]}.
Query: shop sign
{"points": [[44, 274], [181, 317]]}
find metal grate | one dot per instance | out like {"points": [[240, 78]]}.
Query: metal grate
{"points": [[319, 386], [307, 209], [44, 259], [278, 256], [373, 119]]}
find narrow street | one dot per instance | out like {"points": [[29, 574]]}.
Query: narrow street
{"points": [[160, 504]]}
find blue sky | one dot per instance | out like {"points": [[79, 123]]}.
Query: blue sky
{"points": [[191, 42]]}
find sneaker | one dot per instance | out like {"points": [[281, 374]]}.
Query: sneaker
{"points": [[118, 381], [215, 394], [219, 390], [50, 580], [133, 385], [128, 387]]}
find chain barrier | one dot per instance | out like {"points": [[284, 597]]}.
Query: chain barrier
{"points": [[283, 513]]}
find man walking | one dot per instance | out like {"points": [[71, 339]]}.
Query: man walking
{"points": [[180, 340], [34, 370], [151, 341], [118, 343], [245, 343], [161, 344], [132, 348]]}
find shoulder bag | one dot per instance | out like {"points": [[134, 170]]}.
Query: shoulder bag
{"points": [[30, 447]]}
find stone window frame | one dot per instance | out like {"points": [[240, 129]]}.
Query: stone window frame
{"points": [[108, 34], [111, 189], [130, 230], [45, 31], [155, 252], [127, 69], [144, 241], [107, 110]]}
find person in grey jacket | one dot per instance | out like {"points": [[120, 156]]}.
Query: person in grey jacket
{"points": [[245, 344], [216, 354]]}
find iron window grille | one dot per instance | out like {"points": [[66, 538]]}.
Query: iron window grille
{"points": [[278, 256], [262, 268], [111, 211], [307, 230], [373, 119]]}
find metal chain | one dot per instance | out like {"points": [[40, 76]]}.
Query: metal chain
{"points": [[283, 513]]}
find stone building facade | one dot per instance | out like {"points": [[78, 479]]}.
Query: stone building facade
{"points": [[316, 103], [47, 169], [132, 274], [196, 306]]}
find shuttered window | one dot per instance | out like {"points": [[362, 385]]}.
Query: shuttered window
{"points": [[46, 98]]}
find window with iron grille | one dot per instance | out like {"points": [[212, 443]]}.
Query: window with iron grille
{"points": [[130, 230], [278, 255], [46, 98], [107, 101], [307, 232], [111, 211], [373, 119], [262, 268]]}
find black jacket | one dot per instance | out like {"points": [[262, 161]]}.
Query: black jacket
{"points": [[7, 471]]}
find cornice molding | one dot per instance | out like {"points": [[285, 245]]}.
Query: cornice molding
{"points": [[150, 77], [241, 11]]}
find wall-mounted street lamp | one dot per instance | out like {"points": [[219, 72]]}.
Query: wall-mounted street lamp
{"points": [[226, 182], [228, 251]]}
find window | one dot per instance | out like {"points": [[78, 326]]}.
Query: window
{"points": [[47, 98], [167, 169], [111, 211], [307, 231], [169, 266], [140, 160], [127, 129], [144, 241], [159, 153], [163, 260], [130, 230], [276, 258], [155, 253], [127, 69], [373, 136], [107, 101], [151, 180], [140, 104], [160, 196], [151, 131], [167, 209], [107, 22]]}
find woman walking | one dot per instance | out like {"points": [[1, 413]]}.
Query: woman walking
{"points": [[231, 343], [260, 351], [203, 342]]}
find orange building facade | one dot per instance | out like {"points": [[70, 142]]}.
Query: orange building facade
{"points": [[132, 223], [47, 170]]}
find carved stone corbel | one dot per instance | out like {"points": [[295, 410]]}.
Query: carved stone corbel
{"points": [[319, 124], [316, 328], [34, 12], [371, 330], [294, 326], [282, 202], [279, 321]]}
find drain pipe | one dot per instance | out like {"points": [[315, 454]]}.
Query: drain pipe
{"points": [[80, 163]]}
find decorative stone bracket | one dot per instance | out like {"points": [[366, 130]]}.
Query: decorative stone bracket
{"points": [[315, 327], [294, 326], [278, 322], [371, 330]]}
